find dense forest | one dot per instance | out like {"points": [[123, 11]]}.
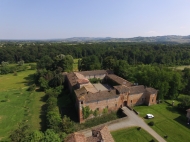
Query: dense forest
{"points": [[133, 53]]}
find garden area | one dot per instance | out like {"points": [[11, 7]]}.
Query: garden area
{"points": [[168, 120]]}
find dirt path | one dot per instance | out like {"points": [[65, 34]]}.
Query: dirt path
{"points": [[132, 120]]}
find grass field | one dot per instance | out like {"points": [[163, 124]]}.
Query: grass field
{"points": [[180, 67], [131, 135], [75, 65], [168, 121], [17, 104]]}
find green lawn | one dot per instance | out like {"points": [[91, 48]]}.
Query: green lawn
{"points": [[168, 121], [131, 135], [17, 104], [75, 65]]}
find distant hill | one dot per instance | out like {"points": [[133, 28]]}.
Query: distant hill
{"points": [[169, 38], [153, 39]]}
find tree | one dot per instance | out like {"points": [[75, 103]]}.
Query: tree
{"points": [[79, 64], [186, 80], [20, 133], [51, 136], [21, 62], [4, 63], [43, 83], [36, 136], [109, 63], [57, 80], [45, 63], [90, 63], [175, 85], [68, 125], [86, 112], [54, 121]]}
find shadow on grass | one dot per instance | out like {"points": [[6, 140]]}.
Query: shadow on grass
{"points": [[168, 103], [29, 80], [43, 117], [183, 121], [172, 109]]}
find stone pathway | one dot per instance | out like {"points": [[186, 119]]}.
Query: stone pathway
{"points": [[131, 121]]}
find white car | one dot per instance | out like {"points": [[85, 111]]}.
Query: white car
{"points": [[149, 116]]}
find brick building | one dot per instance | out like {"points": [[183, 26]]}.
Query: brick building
{"points": [[112, 93], [100, 134]]}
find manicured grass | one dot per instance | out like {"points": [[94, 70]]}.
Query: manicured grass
{"points": [[17, 104], [75, 65], [167, 121], [131, 135]]}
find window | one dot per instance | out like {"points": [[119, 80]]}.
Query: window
{"points": [[107, 107], [115, 105], [131, 101], [81, 102], [153, 100], [97, 109]]}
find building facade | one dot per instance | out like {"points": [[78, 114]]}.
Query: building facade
{"points": [[112, 93]]}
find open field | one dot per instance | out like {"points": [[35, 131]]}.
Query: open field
{"points": [[75, 65], [131, 135], [11, 82], [180, 67], [17, 104], [168, 121]]}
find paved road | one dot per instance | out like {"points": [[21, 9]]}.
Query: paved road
{"points": [[132, 120]]}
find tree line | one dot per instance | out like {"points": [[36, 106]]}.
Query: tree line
{"points": [[133, 53]]}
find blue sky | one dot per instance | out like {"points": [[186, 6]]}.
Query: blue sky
{"points": [[52, 19]]}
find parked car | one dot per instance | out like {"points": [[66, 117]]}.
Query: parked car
{"points": [[149, 116]]}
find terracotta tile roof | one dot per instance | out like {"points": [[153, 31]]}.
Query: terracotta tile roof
{"points": [[119, 80], [83, 94], [82, 81], [102, 95], [76, 137], [90, 88], [136, 89], [72, 78], [122, 88], [92, 139], [151, 90], [80, 93]]}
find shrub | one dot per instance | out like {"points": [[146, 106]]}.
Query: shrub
{"points": [[32, 67], [15, 73], [151, 123], [105, 110], [32, 87], [95, 113], [86, 112]]}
